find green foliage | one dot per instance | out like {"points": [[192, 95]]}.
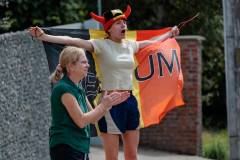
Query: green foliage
{"points": [[215, 145], [20, 14]]}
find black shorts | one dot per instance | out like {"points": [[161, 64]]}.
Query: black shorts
{"points": [[121, 118], [65, 152]]}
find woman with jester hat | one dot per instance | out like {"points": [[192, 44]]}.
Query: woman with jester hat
{"points": [[115, 56]]}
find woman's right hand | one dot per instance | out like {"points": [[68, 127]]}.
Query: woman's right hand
{"points": [[35, 31], [114, 98]]}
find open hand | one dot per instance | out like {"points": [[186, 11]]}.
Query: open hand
{"points": [[114, 98]]}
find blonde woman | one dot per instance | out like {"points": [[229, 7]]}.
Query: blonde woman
{"points": [[70, 109]]}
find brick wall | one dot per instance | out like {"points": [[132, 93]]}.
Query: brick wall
{"points": [[24, 98], [180, 131]]}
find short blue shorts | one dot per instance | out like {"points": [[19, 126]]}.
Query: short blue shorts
{"points": [[121, 118]]}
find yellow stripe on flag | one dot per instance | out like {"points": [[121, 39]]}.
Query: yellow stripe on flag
{"points": [[132, 35], [97, 34]]}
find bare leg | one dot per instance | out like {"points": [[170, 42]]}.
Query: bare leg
{"points": [[111, 145], [130, 144]]}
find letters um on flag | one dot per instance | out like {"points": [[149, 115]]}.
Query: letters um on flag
{"points": [[157, 78]]}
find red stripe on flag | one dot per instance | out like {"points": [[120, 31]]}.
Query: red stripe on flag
{"points": [[147, 34]]}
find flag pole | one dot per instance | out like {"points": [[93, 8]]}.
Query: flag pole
{"points": [[99, 4]]}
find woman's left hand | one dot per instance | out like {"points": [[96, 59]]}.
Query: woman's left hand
{"points": [[174, 31]]}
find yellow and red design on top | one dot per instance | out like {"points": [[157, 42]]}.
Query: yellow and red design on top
{"points": [[111, 16]]}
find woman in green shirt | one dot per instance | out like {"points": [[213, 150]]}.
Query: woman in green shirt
{"points": [[70, 109]]}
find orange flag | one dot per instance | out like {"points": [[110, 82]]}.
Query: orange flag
{"points": [[158, 78]]}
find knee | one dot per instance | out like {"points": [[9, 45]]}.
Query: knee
{"points": [[131, 156], [111, 154], [111, 157]]}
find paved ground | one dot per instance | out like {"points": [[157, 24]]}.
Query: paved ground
{"points": [[97, 153], [144, 154]]}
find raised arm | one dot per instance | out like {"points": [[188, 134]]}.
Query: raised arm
{"points": [[77, 42], [173, 32]]}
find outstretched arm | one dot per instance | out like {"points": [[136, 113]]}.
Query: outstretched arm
{"points": [[77, 42], [173, 32]]}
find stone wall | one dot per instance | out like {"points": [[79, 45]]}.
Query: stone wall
{"points": [[24, 98]]}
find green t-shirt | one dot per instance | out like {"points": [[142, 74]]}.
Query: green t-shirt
{"points": [[63, 130]]}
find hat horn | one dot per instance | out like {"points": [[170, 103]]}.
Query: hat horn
{"points": [[128, 11], [97, 18]]}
